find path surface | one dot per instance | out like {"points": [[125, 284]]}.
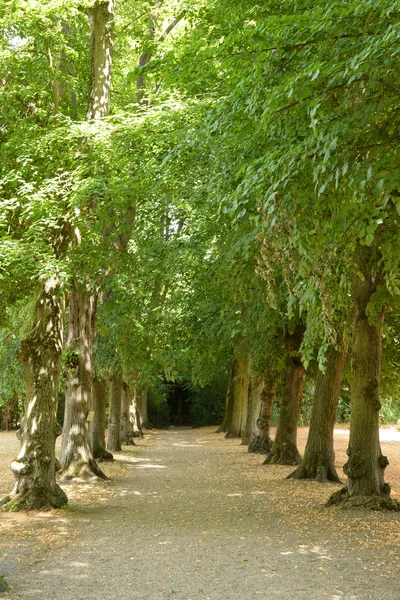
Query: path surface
{"points": [[194, 520]]}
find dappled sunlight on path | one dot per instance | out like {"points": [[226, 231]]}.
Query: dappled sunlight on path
{"points": [[194, 516]]}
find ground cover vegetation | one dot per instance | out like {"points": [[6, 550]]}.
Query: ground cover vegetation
{"points": [[206, 194]]}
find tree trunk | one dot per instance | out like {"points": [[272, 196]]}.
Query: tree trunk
{"points": [[366, 464], [240, 391], [101, 17], [256, 387], [40, 354], [126, 423], [141, 404], [284, 449], [228, 406], [114, 418], [319, 457], [76, 457], [261, 442], [97, 431], [133, 415]]}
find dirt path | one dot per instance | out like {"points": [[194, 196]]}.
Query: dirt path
{"points": [[198, 518]]}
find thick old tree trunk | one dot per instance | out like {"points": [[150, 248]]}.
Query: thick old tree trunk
{"points": [[126, 422], [228, 406], [366, 464], [97, 427], [284, 449], [261, 442], [240, 401], [40, 354], [76, 457], [256, 387], [114, 418], [319, 457]]}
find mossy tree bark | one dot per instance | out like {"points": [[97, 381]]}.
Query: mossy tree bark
{"points": [[40, 355], [114, 418], [240, 400], [97, 427], [260, 441], [319, 457], [284, 449], [366, 464], [76, 457], [228, 405], [254, 404]]}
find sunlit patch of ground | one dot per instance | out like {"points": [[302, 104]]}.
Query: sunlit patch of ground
{"points": [[232, 482]]}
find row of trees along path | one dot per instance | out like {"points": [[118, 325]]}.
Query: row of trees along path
{"points": [[198, 517]]}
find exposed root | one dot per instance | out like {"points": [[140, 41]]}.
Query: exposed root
{"points": [[34, 499], [104, 456], [344, 500], [259, 445], [320, 473], [284, 456], [84, 471]]}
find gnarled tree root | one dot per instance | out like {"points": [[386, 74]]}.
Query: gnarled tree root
{"points": [[34, 500], [285, 455], [104, 456], [344, 500], [320, 473], [259, 445], [85, 471]]}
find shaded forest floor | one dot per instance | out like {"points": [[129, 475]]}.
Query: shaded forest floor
{"points": [[194, 516]]}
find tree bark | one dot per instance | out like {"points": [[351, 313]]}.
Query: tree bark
{"points": [[141, 404], [40, 354], [240, 391], [261, 442], [284, 449], [228, 405], [76, 457], [133, 415], [319, 457], [97, 430], [256, 387], [366, 464], [126, 422], [101, 17], [114, 418]]}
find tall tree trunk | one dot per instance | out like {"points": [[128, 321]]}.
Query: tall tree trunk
{"points": [[141, 404], [97, 427], [228, 405], [366, 464], [240, 391], [133, 415], [319, 457], [256, 387], [261, 442], [40, 354], [101, 19], [126, 423], [284, 449], [76, 457], [114, 418]]}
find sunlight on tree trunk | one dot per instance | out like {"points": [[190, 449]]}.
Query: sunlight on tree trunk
{"points": [[97, 428], [240, 402], [40, 354]]}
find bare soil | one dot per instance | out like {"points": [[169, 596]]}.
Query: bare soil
{"points": [[194, 516]]}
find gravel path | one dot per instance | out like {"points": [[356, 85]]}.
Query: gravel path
{"points": [[196, 518]]}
